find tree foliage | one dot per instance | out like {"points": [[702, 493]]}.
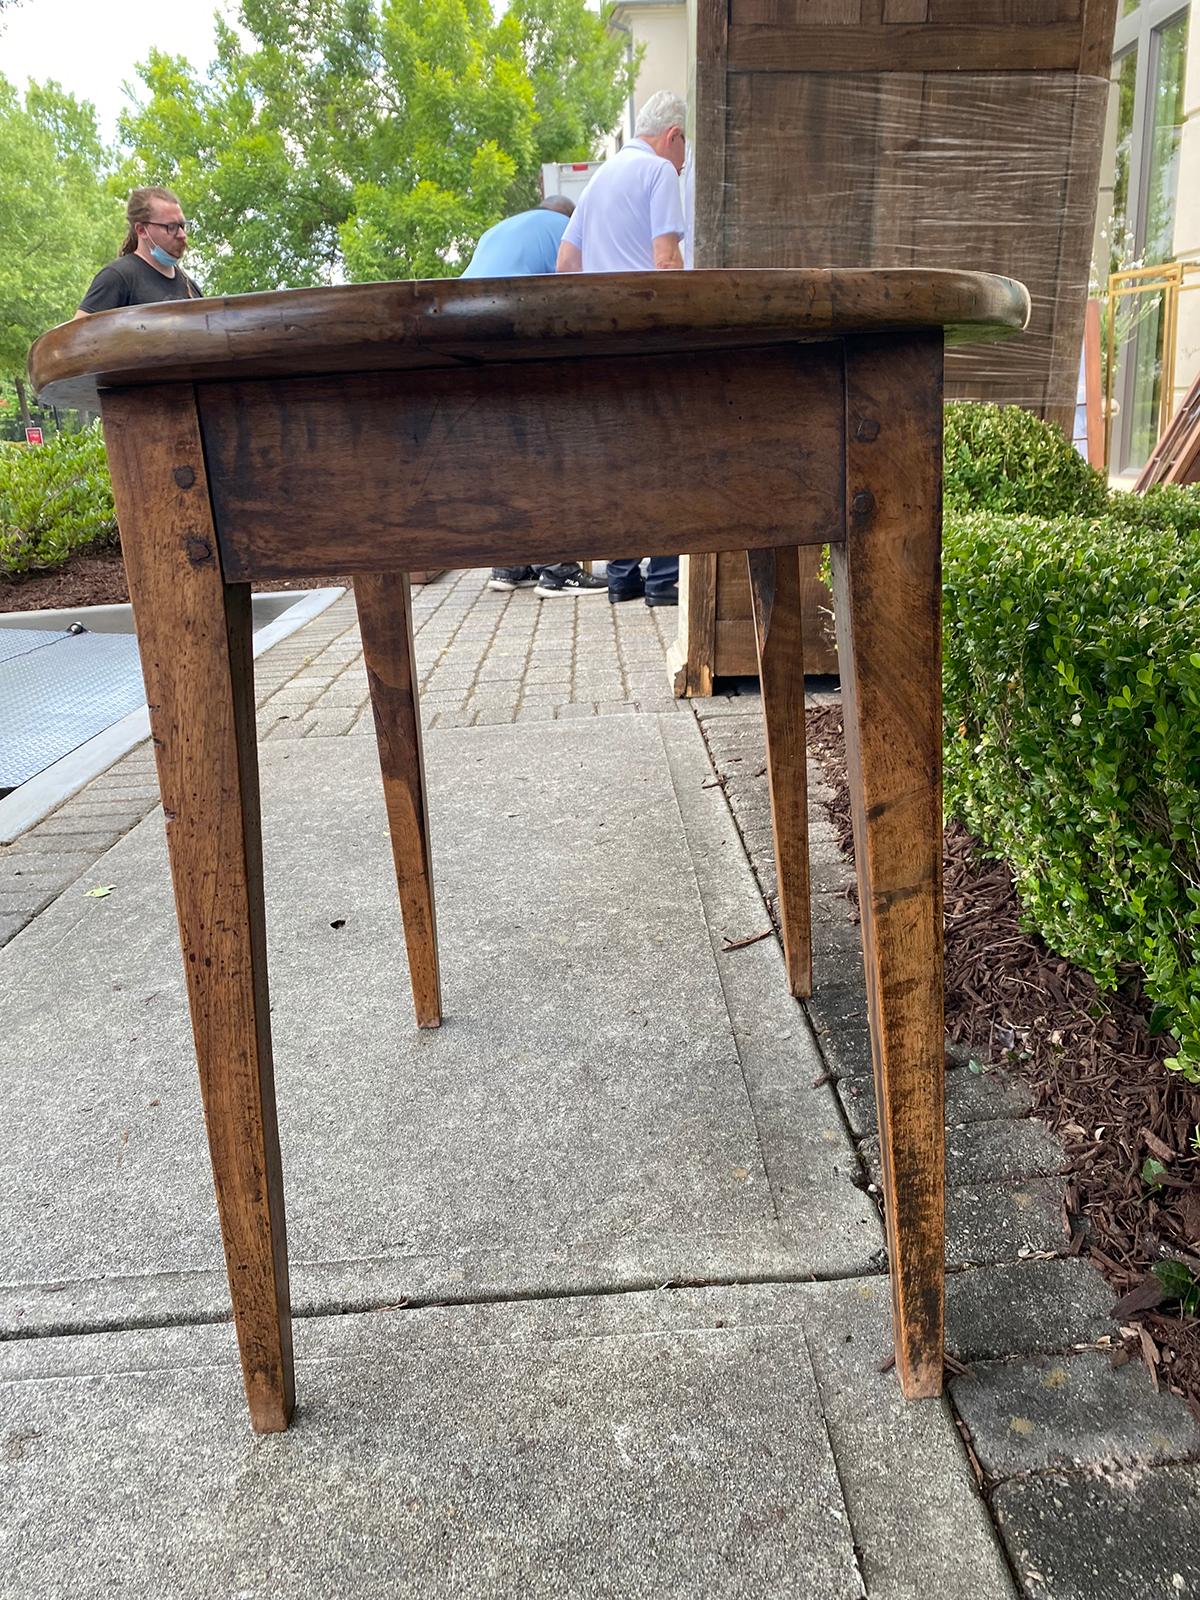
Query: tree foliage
{"points": [[370, 139], [61, 223]]}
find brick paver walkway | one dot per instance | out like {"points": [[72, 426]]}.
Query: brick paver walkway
{"points": [[482, 658]]}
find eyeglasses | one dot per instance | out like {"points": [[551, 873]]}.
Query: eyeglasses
{"points": [[173, 228]]}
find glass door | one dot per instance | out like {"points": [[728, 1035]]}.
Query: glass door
{"points": [[1146, 114]]}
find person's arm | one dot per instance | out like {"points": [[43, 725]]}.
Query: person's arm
{"points": [[667, 254], [570, 258], [570, 246], [666, 217]]}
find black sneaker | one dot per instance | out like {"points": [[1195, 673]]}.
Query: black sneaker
{"points": [[663, 597], [504, 579], [617, 595], [577, 582]]}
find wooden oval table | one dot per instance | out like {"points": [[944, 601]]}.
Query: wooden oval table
{"points": [[384, 428]]}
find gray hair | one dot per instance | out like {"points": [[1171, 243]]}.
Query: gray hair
{"points": [[662, 111], [559, 203]]}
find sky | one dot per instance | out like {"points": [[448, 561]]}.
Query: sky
{"points": [[93, 49]]}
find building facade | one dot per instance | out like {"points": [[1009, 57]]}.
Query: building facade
{"points": [[660, 27]]}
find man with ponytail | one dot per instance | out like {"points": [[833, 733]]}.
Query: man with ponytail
{"points": [[147, 268]]}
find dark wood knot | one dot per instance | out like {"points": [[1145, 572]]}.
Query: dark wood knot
{"points": [[184, 477], [867, 430], [199, 551], [863, 504]]}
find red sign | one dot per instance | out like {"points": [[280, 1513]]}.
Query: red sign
{"points": [[34, 436]]}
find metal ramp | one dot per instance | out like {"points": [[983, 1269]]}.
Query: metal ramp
{"points": [[57, 690]]}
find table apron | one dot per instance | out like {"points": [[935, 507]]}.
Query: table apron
{"points": [[529, 462]]}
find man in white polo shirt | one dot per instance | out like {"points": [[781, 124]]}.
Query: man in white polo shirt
{"points": [[630, 216], [630, 219]]}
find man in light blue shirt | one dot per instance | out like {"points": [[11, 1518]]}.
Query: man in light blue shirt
{"points": [[630, 219], [523, 246]]}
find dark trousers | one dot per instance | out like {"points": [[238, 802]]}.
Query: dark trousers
{"points": [[625, 577]]}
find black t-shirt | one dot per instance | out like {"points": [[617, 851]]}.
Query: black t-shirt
{"points": [[130, 281]]}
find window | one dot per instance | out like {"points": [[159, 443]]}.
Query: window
{"points": [[1146, 116]]}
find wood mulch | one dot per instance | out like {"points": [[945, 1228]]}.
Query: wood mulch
{"points": [[99, 580], [92, 580], [1096, 1075]]}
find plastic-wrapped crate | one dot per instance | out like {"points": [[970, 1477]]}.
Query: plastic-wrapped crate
{"points": [[897, 133]]}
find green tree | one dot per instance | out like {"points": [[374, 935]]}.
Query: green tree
{"points": [[61, 222], [581, 75], [369, 139]]}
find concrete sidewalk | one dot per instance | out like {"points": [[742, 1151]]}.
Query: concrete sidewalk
{"points": [[589, 1282]]}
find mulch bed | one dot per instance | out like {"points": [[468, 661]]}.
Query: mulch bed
{"points": [[1096, 1075], [99, 580]]}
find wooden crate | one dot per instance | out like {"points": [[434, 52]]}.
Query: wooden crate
{"points": [[924, 133]]}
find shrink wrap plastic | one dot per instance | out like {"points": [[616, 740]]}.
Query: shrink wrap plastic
{"points": [[982, 171]]}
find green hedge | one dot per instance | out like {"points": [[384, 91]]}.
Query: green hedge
{"points": [[1072, 699], [55, 499], [1008, 460], [1172, 510]]}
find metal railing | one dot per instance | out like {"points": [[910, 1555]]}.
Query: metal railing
{"points": [[1169, 280]]}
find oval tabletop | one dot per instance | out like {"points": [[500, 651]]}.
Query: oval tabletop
{"points": [[447, 322]]}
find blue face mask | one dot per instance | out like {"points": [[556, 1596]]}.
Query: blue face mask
{"points": [[157, 253]]}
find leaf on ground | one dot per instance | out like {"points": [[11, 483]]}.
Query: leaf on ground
{"points": [[1145, 1296], [99, 892], [1179, 1283]]}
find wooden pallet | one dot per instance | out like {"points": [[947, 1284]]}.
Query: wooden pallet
{"points": [[1176, 457]]}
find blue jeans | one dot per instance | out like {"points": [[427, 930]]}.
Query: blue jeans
{"points": [[625, 577]]}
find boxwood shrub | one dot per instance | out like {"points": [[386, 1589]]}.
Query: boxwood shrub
{"points": [[1072, 701], [1169, 508], [55, 499], [1006, 459]]}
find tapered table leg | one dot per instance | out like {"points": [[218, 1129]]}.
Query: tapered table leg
{"points": [[385, 618], [775, 597], [887, 598], [194, 634]]}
